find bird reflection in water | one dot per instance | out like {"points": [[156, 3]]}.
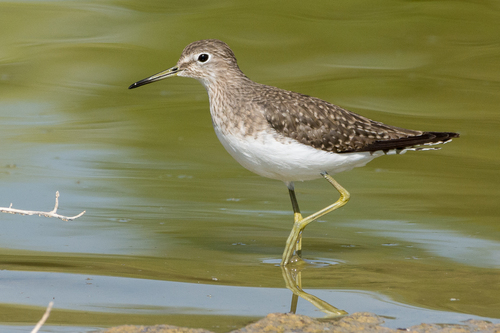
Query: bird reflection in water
{"points": [[293, 281]]}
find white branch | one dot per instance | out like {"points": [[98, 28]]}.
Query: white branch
{"points": [[44, 318], [52, 213]]}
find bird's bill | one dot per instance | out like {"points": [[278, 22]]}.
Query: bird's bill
{"points": [[160, 76]]}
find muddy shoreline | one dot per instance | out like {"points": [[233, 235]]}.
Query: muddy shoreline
{"points": [[287, 322]]}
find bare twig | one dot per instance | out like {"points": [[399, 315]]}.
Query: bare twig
{"points": [[52, 213], [44, 318]]}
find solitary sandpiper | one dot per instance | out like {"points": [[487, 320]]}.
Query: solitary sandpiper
{"points": [[285, 135]]}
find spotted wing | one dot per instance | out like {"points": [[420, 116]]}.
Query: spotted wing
{"points": [[328, 127]]}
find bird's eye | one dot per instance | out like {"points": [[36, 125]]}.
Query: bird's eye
{"points": [[203, 57]]}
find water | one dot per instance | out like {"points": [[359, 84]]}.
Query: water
{"points": [[172, 219]]}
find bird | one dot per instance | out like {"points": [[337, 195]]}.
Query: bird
{"points": [[285, 135]]}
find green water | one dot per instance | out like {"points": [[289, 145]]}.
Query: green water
{"points": [[169, 211]]}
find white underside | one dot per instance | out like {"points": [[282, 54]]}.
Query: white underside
{"points": [[289, 160]]}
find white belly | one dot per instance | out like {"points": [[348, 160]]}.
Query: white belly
{"points": [[289, 160]]}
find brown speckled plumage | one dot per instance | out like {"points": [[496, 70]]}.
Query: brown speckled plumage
{"points": [[329, 127], [244, 105]]}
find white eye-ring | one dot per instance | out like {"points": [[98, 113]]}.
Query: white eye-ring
{"points": [[203, 57]]}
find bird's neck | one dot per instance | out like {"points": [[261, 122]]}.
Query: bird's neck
{"points": [[229, 104], [226, 94]]}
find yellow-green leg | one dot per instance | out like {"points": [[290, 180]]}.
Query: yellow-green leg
{"points": [[297, 217], [294, 241]]}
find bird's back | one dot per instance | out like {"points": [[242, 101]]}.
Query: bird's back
{"points": [[325, 126]]}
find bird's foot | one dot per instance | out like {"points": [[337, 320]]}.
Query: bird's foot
{"points": [[297, 260]]}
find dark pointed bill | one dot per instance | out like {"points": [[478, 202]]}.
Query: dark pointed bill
{"points": [[160, 76]]}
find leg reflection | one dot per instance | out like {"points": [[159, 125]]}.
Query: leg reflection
{"points": [[293, 281]]}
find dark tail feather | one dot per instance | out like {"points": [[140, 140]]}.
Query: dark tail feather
{"points": [[426, 139]]}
